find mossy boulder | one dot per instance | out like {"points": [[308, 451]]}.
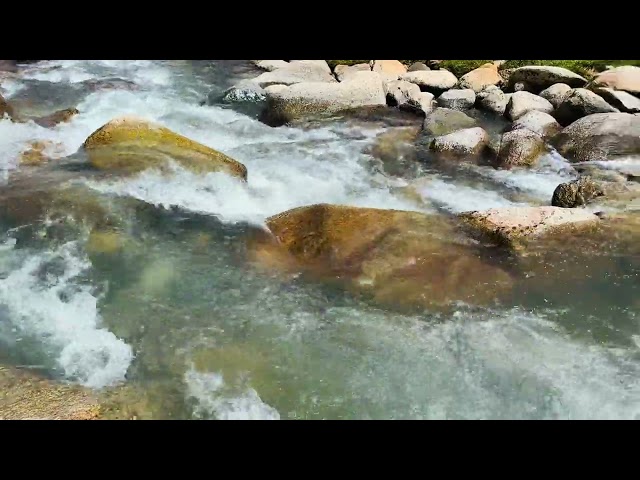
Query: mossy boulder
{"points": [[130, 145]]}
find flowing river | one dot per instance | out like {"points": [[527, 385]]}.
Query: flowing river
{"points": [[182, 318]]}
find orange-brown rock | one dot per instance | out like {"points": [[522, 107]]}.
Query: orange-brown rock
{"points": [[398, 257], [55, 118]]}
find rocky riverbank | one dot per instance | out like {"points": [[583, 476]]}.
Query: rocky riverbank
{"points": [[503, 119]]}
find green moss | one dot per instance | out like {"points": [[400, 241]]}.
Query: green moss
{"points": [[586, 68], [334, 63], [460, 67]]}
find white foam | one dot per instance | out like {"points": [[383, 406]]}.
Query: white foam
{"points": [[511, 364], [460, 198], [64, 316], [274, 185], [629, 165], [214, 399], [540, 181]]}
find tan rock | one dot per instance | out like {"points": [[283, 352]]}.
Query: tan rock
{"points": [[481, 77], [389, 69], [433, 81], [343, 71], [625, 78], [130, 145], [514, 226]]}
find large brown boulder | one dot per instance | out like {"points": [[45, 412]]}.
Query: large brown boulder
{"points": [[398, 257], [130, 145]]}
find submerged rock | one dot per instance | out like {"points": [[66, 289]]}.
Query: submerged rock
{"points": [[244, 91], [130, 145], [398, 257], [5, 108], [39, 153], [601, 136], [55, 118], [27, 396], [576, 193]]}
